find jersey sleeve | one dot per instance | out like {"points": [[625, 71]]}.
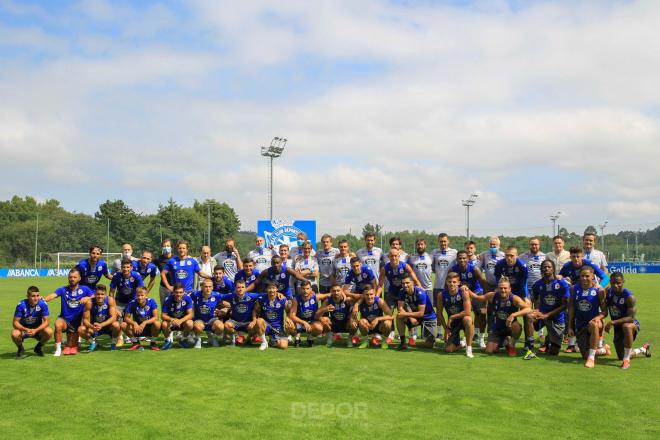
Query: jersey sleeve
{"points": [[153, 304], [113, 281], [18, 313], [196, 267], [138, 279], [45, 311], [104, 268], [566, 289], [60, 291]]}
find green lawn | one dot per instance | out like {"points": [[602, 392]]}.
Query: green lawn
{"points": [[324, 393]]}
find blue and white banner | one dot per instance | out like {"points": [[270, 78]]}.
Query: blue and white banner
{"points": [[279, 232], [625, 267], [26, 272]]}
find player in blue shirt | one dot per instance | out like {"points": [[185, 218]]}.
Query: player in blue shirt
{"points": [[622, 307], [336, 315], [571, 270], [455, 300], [550, 298], [182, 270], [248, 274], [31, 320], [472, 277], [205, 302], [124, 284], [358, 277], [504, 328], [272, 309], [93, 268], [243, 316], [394, 271], [146, 269], [303, 313], [221, 282], [177, 314], [141, 318], [414, 309], [277, 273], [375, 317], [587, 308], [74, 296], [100, 318]]}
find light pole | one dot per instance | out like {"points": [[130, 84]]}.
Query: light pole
{"points": [[274, 150], [602, 235], [36, 241], [208, 224], [554, 219], [160, 228], [637, 245], [468, 203]]}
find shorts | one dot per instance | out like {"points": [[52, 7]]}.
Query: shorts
{"points": [[120, 309], [276, 333], [429, 328], [208, 325], [556, 330], [584, 339], [619, 337], [301, 328], [239, 326], [37, 335], [163, 294], [499, 335], [104, 331], [72, 324], [391, 299], [477, 305], [455, 333], [324, 289], [339, 326]]}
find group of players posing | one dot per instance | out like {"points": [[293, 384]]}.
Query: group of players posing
{"points": [[339, 292]]}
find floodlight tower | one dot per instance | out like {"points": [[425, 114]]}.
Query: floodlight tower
{"points": [[468, 203], [554, 219], [274, 150]]}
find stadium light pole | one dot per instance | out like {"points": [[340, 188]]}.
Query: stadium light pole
{"points": [[469, 203], [208, 223], [36, 241], [107, 248], [273, 151], [554, 219], [602, 235]]}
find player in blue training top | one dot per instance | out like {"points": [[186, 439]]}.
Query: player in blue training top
{"points": [[31, 320], [394, 271], [243, 316], [358, 277], [277, 273], [587, 308], [415, 309], [622, 307], [74, 296], [303, 313], [146, 269], [177, 314], [248, 274], [93, 268], [100, 318], [182, 269], [504, 328], [550, 298], [375, 318], [336, 315], [472, 277], [124, 284], [205, 302], [272, 309], [455, 300], [221, 282], [141, 318]]}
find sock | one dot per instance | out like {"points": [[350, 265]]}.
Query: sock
{"points": [[20, 347], [39, 344], [626, 354], [391, 335], [379, 336], [571, 341], [58, 346], [114, 340], [402, 337], [600, 351], [592, 355], [601, 343], [170, 337], [477, 332], [92, 339], [541, 332], [468, 349]]}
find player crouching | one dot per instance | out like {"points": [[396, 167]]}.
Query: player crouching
{"points": [[455, 300], [141, 318], [243, 316], [177, 314], [375, 317], [303, 314], [100, 318], [272, 309], [31, 321], [415, 309], [205, 303], [337, 317]]}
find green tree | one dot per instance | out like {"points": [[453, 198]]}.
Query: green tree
{"points": [[224, 221]]}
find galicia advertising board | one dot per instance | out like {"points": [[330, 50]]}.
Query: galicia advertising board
{"points": [[279, 232], [625, 267]]}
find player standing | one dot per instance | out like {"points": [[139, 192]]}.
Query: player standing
{"points": [[182, 269], [559, 255], [146, 269], [443, 259], [325, 257], [248, 274], [160, 262], [307, 267], [93, 268], [230, 259], [221, 282], [370, 255], [341, 266], [31, 320], [591, 253], [261, 255]]}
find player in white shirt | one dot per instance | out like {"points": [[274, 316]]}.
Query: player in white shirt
{"points": [[308, 267], [325, 257], [471, 249], [592, 254], [443, 258], [261, 255], [371, 255], [559, 255], [488, 260], [395, 243], [126, 253], [230, 259], [296, 251], [422, 264], [533, 259], [342, 264]]}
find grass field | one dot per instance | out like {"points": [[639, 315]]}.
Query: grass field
{"points": [[239, 392]]}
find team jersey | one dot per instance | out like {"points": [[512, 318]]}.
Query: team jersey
{"points": [[395, 275], [273, 311], [417, 298], [533, 263], [341, 267], [241, 308], [281, 277], [325, 259], [261, 258], [228, 261], [502, 309], [442, 261], [150, 270], [91, 275], [225, 286], [297, 251], [487, 262], [183, 271], [99, 312], [366, 276], [370, 312], [31, 317], [595, 256], [571, 271], [307, 308], [385, 258], [422, 265], [453, 304], [176, 309], [468, 277], [517, 275], [311, 264], [342, 310], [371, 257], [204, 307], [71, 307], [549, 296], [617, 304], [587, 305], [241, 276], [139, 313], [125, 287]]}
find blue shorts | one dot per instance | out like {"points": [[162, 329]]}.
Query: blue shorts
{"points": [[37, 335], [275, 332], [340, 326], [301, 328], [239, 326], [72, 324], [208, 325]]}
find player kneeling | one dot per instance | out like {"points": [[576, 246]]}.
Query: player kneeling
{"points": [[243, 316], [205, 303], [504, 329], [100, 318], [31, 321], [272, 309], [550, 296], [455, 300], [141, 318], [337, 317], [177, 314], [415, 309], [375, 317], [303, 314]]}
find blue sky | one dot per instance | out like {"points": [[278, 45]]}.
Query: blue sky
{"points": [[394, 111]]}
